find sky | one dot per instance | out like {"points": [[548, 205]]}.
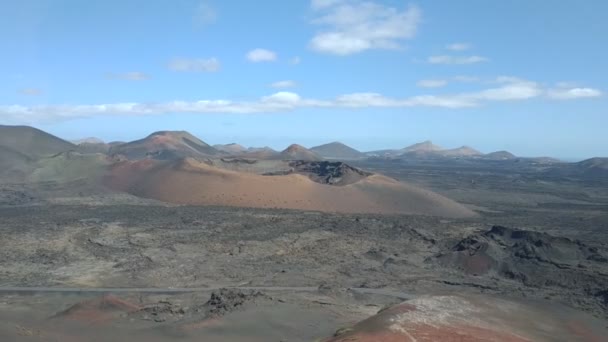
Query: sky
{"points": [[528, 76]]}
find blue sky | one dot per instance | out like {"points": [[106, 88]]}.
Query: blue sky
{"points": [[528, 76]]}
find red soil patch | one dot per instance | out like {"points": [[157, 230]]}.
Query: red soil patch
{"points": [[457, 319], [206, 323], [577, 328], [192, 182], [98, 310]]}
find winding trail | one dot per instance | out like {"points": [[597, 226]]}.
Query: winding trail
{"points": [[42, 289]]}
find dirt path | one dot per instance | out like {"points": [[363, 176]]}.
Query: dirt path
{"points": [[27, 289]]}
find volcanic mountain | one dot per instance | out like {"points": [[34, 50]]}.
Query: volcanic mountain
{"points": [[262, 153], [298, 152], [232, 148], [463, 151], [165, 145], [425, 146], [337, 150], [499, 155], [188, 181], [594, 168], [32, 142], [420, 149]]}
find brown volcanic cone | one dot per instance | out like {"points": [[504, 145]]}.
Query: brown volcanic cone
{"points": [[165, 145], [298, 152], [474, 319], [98, 310], [191, 182]]}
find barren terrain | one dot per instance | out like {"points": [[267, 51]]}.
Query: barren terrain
{"points": [[552, 252]]}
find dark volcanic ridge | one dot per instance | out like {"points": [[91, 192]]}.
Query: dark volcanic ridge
{"points": [[324, 172], [532, 258]]}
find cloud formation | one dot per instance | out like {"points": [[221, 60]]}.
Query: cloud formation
{"points": [[284, 84], [448, 59], [458, 46], [261, 55], [128, 76], [354, 26], [319, 4], [573, 93], [432, 83], [506, 89], [194, 65]]}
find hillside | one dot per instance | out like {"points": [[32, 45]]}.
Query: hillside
{"points": [[594, 164], [68, 167], [232, 148], [165, 145], [499, 155], [463, 151], [263, 153], [188, 181], [298, 152], [425, 146], [337, 150], [89, 140], [32, 142]]}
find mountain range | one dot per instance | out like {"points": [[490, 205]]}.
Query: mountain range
{"points": [[235, 175]]}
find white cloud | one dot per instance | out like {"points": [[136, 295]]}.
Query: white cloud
{"points": [[284, 84], [319, 4], [261, 55], [295, 60], [446, 59], [458, 46], [283, 97], [507, 89], [573, 93], [465, 79], [432, 83], [31, 91], [354, 26], [512, 89], [205, 14], [129, 76], [195, 65]]}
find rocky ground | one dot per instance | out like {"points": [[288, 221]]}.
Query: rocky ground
{"points": [[538, 241]]}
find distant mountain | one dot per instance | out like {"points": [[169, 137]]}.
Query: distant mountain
{"points": [[600, 164], [32, 142], [593, 168], [425, 146], [543, 160], [337, 150], [298, 152], [90, 140], [499, 155], [421, 149], [261, 153], [463, 151], [93, 148], [259, 149], [165, 145], [232, 148]]}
